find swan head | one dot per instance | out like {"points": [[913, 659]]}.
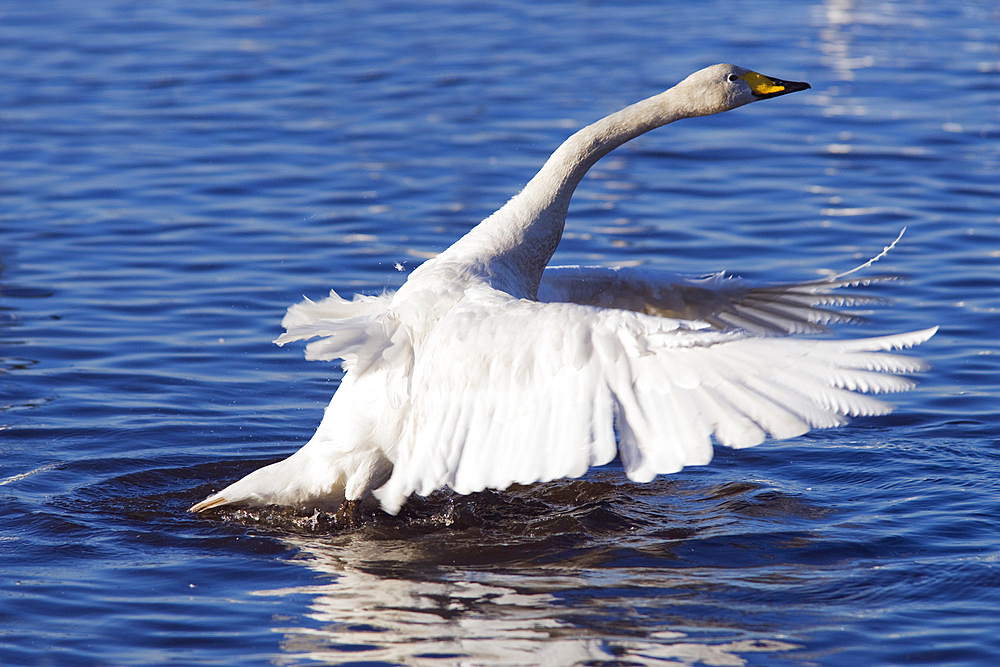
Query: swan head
{"points": [[723, 87]]}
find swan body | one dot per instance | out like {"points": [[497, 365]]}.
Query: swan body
{"points": [[486, 368]]}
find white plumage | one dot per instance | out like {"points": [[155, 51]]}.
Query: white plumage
{"points": [[487, 369]]}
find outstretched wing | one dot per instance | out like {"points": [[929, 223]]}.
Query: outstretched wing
{"points": [[510, 391], [721, 301], [360, 331]]}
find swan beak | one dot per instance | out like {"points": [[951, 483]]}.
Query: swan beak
{"points": [[764, 87]]}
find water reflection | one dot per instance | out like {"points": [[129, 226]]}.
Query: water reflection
{"points": [[457, 617], [397, 619], [837, 40], [556, 594]]}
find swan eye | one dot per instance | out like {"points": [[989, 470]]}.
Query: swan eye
{"points": [[733, 77]]}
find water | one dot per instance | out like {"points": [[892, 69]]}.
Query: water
{"points": [[173, 176]]}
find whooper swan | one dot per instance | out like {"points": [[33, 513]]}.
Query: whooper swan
{"points": [[487, 369]]}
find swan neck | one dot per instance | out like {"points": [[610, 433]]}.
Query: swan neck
{"points": [[574, 158], [522, 236]]}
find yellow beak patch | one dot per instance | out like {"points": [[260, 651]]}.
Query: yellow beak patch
{"points": [[761, 85]]}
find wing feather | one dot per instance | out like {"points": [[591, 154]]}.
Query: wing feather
{"points": [[512, 391], [725, 302], [722, 301]]}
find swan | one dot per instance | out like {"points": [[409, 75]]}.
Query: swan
{"points": [[487, 369]]}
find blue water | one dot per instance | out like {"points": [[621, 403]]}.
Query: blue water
{"points": [[174, 175]]}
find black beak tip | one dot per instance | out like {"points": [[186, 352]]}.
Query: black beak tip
{"points": [[786, 87]]}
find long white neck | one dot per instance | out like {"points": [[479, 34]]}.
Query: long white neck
{"points": [[520, 238]]}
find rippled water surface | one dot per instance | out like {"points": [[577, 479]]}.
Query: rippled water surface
{"points": [[174, 175]]}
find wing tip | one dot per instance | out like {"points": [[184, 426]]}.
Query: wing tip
{"points": [[214, 500]]}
